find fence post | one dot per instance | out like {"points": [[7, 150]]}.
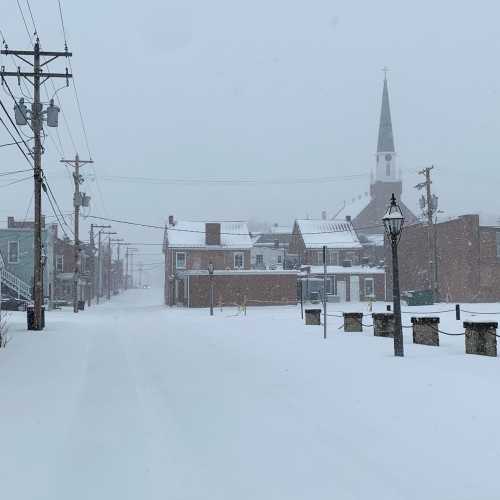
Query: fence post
{"points": [[457, 312]]}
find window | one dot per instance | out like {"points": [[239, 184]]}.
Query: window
{"points": [[388, 170], [279, 259], [238, 260], [13, 256], [369, 287], [498, 244], [333, 258], [259, 259], [59, 263], [180, 260], [331, 288]]}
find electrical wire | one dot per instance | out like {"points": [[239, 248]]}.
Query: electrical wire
{"points": [[32, 18], [25, 23]]}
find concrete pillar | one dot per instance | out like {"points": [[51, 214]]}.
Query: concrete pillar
{"points": [[425, 331], [480, 337], [313, 316], [353, 322], [383, 324]]}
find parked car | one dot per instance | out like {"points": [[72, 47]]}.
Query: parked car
{"points": [[13, 304]]}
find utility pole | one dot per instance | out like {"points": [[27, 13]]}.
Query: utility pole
{"points": [[79, 199], [324, 292], [109, 233], [130, 254], [126, 269], [37, 77], [119, 241], [140, 274], [429, 207], [99, 274]]}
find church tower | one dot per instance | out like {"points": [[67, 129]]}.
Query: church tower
{"points": [[387, 179]]}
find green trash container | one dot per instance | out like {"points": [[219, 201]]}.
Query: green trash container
{"points": [[418, 297]]}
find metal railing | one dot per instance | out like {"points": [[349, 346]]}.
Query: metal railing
{"points": [[22, 289]]}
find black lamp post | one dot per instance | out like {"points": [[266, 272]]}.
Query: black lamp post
{"points": [[211, 277], [393, 223]]}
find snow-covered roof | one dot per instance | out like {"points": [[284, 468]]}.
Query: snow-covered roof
{"points": [[191, 234], [345, 270], [332, 233], [353, 206]]}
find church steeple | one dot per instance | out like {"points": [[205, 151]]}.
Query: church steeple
{"points": [[385, 137], [386, 156]]}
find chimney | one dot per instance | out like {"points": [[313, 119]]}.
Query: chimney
{"points": [[171, 221], [348, 218], [212, 233], [323, 215]]}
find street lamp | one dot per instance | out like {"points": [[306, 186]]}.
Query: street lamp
{"points": [[211, 278], [393, 223]]}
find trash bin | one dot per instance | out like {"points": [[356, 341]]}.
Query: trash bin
{"points": [[81, 305], [30, 315], [418, 297], [313, 316]]}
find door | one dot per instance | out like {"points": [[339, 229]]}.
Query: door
{"points": [[354, 289], [341, 290]]}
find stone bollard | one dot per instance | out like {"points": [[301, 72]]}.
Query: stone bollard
{"points": [[480, 337], [353, 322], [383, 324], [313, 316], [425, 331]]}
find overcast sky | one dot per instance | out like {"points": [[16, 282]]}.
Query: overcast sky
{"points": [[262, 90]]}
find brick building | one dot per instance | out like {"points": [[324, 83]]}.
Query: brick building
{"points": [[190, 247], [310, 235], [468, 259], [249, 287], [346, 284]]}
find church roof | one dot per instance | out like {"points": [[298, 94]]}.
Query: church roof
{"points": [[385, 136]]}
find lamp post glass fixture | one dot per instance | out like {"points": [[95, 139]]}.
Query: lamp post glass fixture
{"points": [[211, 277], [393, 223]]}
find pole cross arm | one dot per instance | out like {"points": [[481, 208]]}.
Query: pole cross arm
{"points": [[32, 74], [32, 53]]}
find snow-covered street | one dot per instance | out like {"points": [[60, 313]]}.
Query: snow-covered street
{"points": [[132, 400]]}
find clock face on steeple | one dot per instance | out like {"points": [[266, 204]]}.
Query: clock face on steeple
{"points": [[388, 157]]}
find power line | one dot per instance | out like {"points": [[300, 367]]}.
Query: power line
{"points": [[18, 145], [16, 181], [152, 226], [234, 181], [62, 22], [25, 23], [32, 18]]}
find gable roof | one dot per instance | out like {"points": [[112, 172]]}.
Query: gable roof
{"points": [[191, 234], [269, 239], [332, 233]]}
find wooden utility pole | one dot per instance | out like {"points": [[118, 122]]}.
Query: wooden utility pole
{"points": [[108, 293], [77, 203], [430, 208], [37, 77], [324, 292], [126, 269], [98, 271], [119, 242]]}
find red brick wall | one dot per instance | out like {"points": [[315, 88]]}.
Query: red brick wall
{"points": [[458, 260], [259, 289]]}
